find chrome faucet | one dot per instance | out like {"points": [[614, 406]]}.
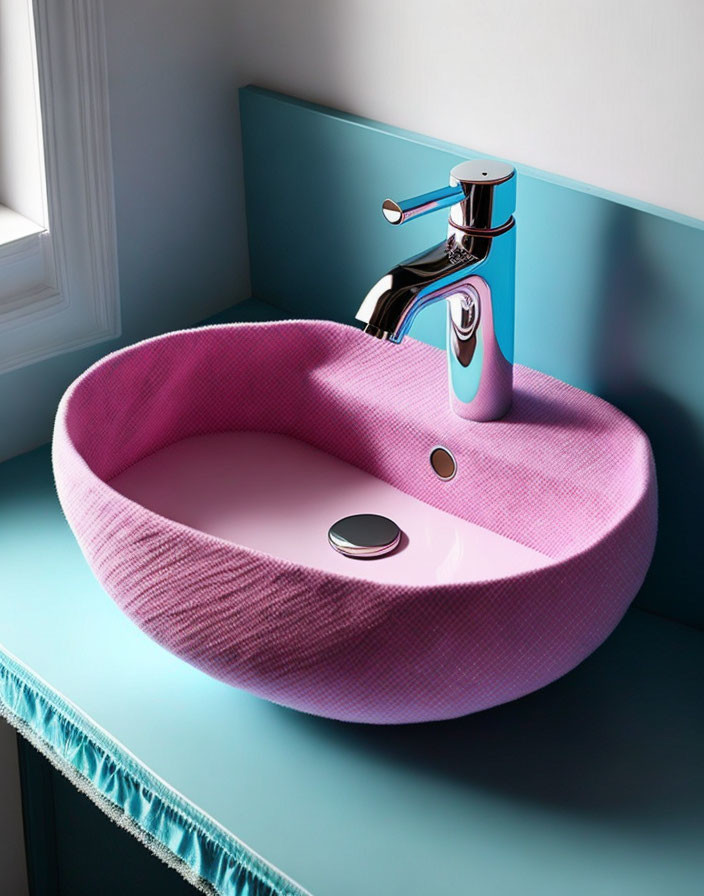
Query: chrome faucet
{"points": [[474, 269]]}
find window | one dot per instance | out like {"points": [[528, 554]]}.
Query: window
{"points": [[58, 260]]}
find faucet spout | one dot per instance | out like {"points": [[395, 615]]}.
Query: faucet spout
{"points": [[392, 304], [473, 269]]}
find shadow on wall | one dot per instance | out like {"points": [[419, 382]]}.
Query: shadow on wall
{"points": [[620, 738], [648, 360]]}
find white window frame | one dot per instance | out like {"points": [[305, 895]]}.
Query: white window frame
{"points": [[59, 284]]}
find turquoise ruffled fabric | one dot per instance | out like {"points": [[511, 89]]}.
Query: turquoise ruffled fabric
{"points": [[173, 828]]}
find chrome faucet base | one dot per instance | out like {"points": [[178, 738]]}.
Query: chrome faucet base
{"points": [[481, 377]]}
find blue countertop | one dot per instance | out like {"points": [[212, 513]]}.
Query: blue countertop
{"points": [[594, 785]]}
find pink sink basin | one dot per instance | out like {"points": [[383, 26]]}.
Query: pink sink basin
{"points": [[200, 472]]}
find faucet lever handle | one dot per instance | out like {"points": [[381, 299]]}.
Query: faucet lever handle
{"points": [[400, 212], [485, 188]]}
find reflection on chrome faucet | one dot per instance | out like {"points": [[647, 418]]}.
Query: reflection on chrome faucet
{"points": [[474, 270]]}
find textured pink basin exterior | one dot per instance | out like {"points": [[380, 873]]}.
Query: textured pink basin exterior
{"points": [[564, 473]]}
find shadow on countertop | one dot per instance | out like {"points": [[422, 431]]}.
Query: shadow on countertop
{"points": [[620, 737]]}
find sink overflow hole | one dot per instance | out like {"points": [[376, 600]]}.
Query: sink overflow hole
{"points": [[443, 462]]}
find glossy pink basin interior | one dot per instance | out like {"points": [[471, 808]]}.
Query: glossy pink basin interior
{"points": [[279, 495], [201, 471]]}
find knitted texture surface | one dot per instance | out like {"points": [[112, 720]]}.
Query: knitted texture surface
{"points": [[564, 473]]}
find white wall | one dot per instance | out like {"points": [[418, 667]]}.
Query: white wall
{"points": [[610, 92], [181, 230], [13, 870]]}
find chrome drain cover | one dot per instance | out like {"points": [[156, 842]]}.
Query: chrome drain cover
{"points": [[364, 535]]}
